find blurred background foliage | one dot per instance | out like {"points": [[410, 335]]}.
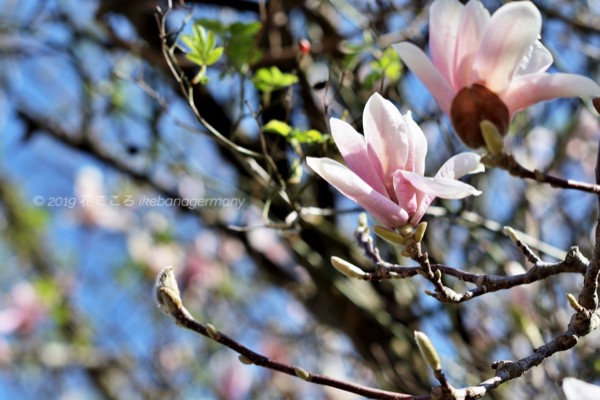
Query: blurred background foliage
{"points": [[99, 146]]}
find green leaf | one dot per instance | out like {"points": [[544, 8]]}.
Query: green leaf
{"points": [[195, 58], [371, 78], [278, 127], [210, 40], [270, 79], [189, 41], [245, 29], [214, 55], [394, 72], [212, 25], [295, 135], [202, 46], [392, 67], [199, 38], [387, 65], [240, 44], [309, 136], [285, 80], [242, 52]]}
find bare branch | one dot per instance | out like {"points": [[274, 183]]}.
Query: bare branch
{"points": [[170, 302], [508, 163], [574, 262]]}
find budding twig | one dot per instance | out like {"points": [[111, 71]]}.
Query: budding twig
{"points": [[169, 301], [574, 262], [530, 255], [508, 163]]}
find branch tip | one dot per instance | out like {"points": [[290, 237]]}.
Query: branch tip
{"points": [[428, 351], [348, 269], [511, 234], [574, 303], [166, 291]]}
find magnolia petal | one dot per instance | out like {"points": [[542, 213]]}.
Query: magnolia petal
{"points": [[527, 90], [472, 26], [460, 165], [353, 187], [385, 130], [444, 19], [423, 203], [353, 148], [537, 59], [417, 146], [576, 389], [445, 188], [423, 68], [509, 35], [405, 193]]}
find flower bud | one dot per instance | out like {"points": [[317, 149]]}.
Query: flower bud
{"points": [[492, 137], [573, 302], [428, 351], [420, 231], [388, 235], [168, 298], [473, 105], [346, 268], [302, 373]]}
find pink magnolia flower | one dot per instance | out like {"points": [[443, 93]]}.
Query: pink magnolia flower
{"points": [[386, 166], [488, 67], [24, 312]]}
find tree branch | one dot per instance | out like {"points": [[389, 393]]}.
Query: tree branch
{"points": [[169, 301]]}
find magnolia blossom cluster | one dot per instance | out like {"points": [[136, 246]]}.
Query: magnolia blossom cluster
{"points": [[487, 67], [483, 67], [386, 166]]}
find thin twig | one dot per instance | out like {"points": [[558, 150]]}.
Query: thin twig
{"points": [[574, 262], [187, 90], [169, 302], [588, 297], [508, 163]]}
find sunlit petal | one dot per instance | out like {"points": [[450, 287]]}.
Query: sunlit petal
{"points": [[472, 26], [527, 90], [423, 203], [417, 146], [460, 165], [353, 187], [444, 18], [406, 193], [385, 129], [420, 65], [537, 59], [353, 148], [445, 188], [509, 35]]}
